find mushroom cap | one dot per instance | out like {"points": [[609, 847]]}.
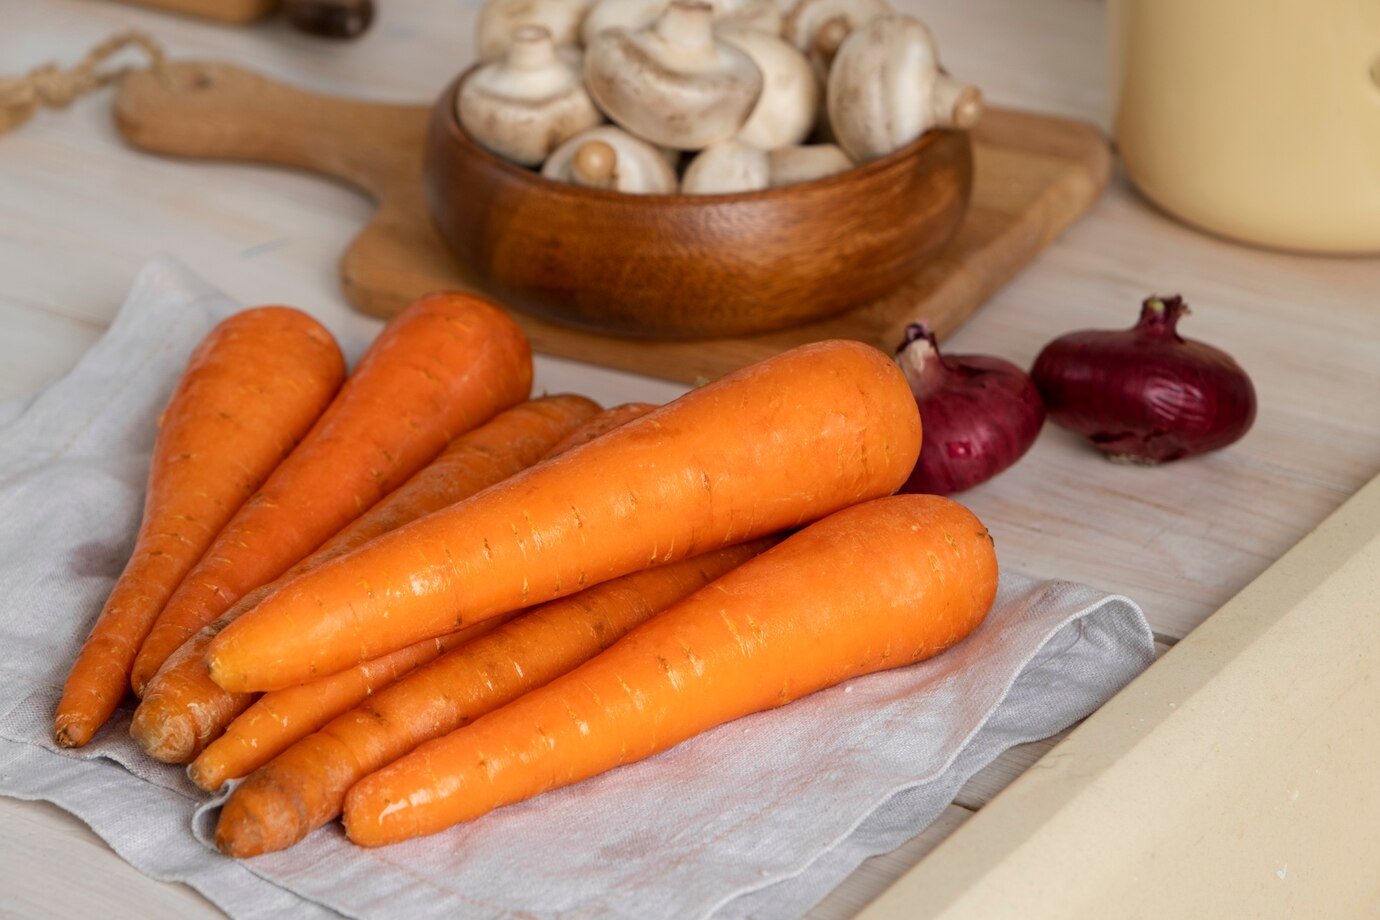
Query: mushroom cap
{"points": [[673, 83], [788, 108], [638, 14], [637, 167], [792, 165], [620, 14], [804, 21], [757, 15], [525, 104], [498, 19], [881, 87], [725, 168]]}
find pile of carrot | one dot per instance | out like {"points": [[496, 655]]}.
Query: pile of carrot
{"points": [[411, 596]]}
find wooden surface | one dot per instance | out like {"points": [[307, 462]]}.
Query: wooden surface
{"points": [[1034, 176], [79, 213]]}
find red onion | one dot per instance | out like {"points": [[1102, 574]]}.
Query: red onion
{"points": [[979, 413], [1145, 394]]}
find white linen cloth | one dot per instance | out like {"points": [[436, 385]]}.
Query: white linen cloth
{"points": [[761, 817]]}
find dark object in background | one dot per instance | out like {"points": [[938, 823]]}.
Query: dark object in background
{"points": [[330, 18]]}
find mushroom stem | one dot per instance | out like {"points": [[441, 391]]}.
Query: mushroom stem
{"points": [[829, 37], [527, 103], [687, 24], [595, 165], [956, 104], [532, 48]]}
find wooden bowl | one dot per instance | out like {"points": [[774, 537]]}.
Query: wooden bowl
{"points": [[688, 266]]}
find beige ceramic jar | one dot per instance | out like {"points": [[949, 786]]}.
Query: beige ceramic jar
{"points": [[1258, 121]]}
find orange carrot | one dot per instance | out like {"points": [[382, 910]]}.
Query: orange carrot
{"points": [[766, 448], [876, 586], [183, 709], [252, 389], [279, 719], [601, 424], [445, 364], [304, 787]]}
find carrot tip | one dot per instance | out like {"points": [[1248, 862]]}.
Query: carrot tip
{"points": [[72, 733], [242, 830], [206, 779], [242, 844], [362, 840], [165, 736], [220, 677]]}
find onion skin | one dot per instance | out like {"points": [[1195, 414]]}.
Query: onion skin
{"points": [[1146, 394], [980, 413]]}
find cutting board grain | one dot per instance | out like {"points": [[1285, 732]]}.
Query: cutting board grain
{"points": [[1034, 176]]}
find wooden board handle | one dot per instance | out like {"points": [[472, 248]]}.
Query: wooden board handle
{"points": [[205, 109]]}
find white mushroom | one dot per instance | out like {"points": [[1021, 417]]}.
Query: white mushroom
{"points": [[791, 165], [673, 83], [499, 19], [789, 105], [818, 27], [736, 166], [758, 15], [525, 104], [727, 167], [619, 14], [886, 89], [638, 14], [611, 158]]}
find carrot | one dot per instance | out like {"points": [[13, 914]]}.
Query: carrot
{"points": [[279, 719], [251, 390], [304, 787], [601, 424], [766, 448], [876, 586], [183, 709], [445, 364]]}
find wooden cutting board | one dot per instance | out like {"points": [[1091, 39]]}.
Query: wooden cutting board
{"points": [[1034, 175]]}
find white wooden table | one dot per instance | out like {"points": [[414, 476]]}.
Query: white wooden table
{"points": [[79, 214]]}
